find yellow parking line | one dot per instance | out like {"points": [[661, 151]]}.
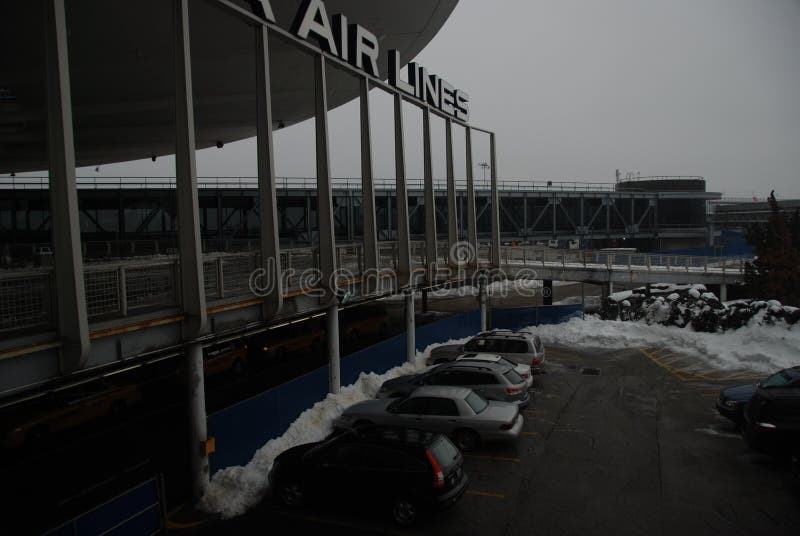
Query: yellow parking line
{"points": [[491, 458], [659, 350], [681, 358], [485, 494], [736, 376], [663, 356], [649, 356]]}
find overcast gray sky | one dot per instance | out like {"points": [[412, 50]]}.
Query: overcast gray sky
{"points": [[575, 89]]}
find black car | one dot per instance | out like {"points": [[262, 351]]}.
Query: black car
{"points": [[732, 400], [409, 472], [772, 416]]}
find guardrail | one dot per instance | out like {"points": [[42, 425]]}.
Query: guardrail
{"points": [[619, 260], [128, 287], [306, 183]]}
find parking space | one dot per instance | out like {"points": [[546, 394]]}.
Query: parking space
{"points": [[634, 447]]}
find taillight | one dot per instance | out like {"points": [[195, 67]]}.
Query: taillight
{"points": [[508, 425], [514, 390], [438, 475], [536, 362]]}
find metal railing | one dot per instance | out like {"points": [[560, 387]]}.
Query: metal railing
{"points": [[585, 259], [307, 183], [127, 287]]}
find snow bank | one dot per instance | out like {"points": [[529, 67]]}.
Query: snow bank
{"points": [[760, 348], [234, 490]]}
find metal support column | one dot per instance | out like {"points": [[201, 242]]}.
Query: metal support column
{"points": [[472, 228], [270, 248], [327, 242], [368, 192], [723, 292], [452, 207], [403, 240], [332, 336], [411, 343], [495, 261], [71, 317], [198, 431], [430, 199], [193, 300], [547, 292], [482, 301]]}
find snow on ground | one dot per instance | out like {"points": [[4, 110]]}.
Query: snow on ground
{"points": [[760, 348], [234, 490]]}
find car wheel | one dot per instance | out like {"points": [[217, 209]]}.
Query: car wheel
{"points": [[292, 494], [404, 511], [466, 439]]}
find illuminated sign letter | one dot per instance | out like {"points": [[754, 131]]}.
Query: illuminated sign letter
{"points": [[313, 19], [339, 23], [364, 43], [262, 9], [394, 73], [462, 106], [432, 90], [448, 97]]}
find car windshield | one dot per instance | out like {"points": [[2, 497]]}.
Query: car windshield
{"points": [[476, 402], [444, 452], [776, 380]]}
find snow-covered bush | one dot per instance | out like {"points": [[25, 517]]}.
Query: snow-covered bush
{"points": [[693, 305]]}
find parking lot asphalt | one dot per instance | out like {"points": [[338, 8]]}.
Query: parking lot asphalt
{"points": [[635, 449]]}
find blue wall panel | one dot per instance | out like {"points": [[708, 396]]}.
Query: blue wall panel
{"points": [[519, 317], [243, 428]]}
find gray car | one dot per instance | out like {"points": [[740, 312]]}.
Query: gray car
{"points": [[457, 411], [521, 347], [494, 381]]}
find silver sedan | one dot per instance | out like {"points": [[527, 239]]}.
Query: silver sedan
{"points": [[457, 411]]}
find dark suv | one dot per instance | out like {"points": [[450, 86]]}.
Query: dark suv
{"points": [[409, 472], [772, 416]]}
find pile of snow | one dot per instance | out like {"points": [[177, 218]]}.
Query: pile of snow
{"points": [[693, 305], [234, 490], [760, 348]]}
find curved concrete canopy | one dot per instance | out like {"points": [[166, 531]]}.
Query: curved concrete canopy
{"points": [[122, 77]]}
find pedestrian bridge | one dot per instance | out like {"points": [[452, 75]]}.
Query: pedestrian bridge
{"points": [[133, 305]]}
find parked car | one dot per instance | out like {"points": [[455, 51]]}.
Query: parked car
{"points": [[409, 472], [229, 357], [494, 381], [69, 409], [732, 400], [523, 370], [553, 243], [363, 321], [457, 411], [519, 347], [772, 416]]}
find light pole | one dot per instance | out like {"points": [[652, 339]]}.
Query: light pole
{"points": [[485, 166]]}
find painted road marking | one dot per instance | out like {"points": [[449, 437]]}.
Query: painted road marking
{"points": [[485, 494], [491, 458], [697, 371], [680, 358]]}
